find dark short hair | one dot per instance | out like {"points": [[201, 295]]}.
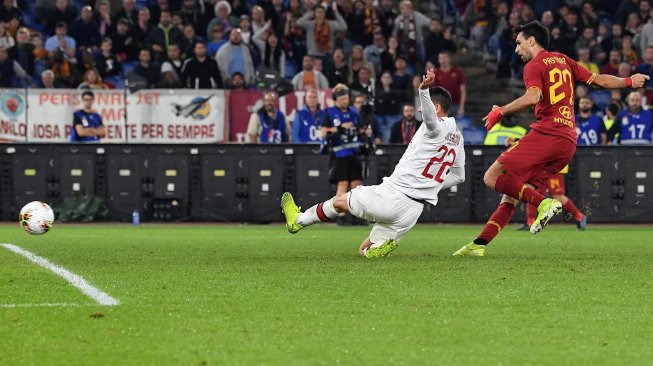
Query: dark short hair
{"points": [[88, 93], [613, 108], [586, 97], [536, 30], [441, 96]]}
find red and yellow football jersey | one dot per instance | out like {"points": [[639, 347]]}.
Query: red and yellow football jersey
{"points": [[554, 75]]}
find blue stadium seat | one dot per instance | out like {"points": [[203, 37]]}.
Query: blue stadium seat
{"points": [[474, 135], [128, 67], [117, 81], [464, 122]]}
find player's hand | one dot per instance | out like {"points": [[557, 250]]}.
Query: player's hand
{"points": [[428, 80], [493, 117], [639, 80]]}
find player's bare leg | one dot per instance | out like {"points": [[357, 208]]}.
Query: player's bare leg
{"points": [[569, 206], [497, 179]]}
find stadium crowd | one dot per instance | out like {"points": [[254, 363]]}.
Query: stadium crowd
{"points": [[376, 47]]}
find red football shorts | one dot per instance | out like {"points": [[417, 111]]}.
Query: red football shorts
{"points": [[556, 185], [537, 157]]}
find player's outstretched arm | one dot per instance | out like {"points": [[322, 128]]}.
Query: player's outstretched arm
{"points": [[429, 115], [613, 82], [529, 99]]}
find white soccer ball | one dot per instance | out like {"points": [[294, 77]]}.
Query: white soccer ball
{"points": [[36, 218]]}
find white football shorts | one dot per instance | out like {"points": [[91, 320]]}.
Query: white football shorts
{"points": [[392, 212]]}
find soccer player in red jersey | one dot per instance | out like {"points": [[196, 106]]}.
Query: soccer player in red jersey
{"points": [[551, 142]]}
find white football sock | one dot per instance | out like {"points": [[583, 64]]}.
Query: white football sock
{"points": [[312, 215]]}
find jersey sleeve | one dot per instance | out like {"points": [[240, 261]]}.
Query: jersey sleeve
{"points": [[428, 111], [533, 77], [581, 74]]}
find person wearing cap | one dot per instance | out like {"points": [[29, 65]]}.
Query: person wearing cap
{"points": [[63, 11], [320, 31], [85, 30], [61, 40]]}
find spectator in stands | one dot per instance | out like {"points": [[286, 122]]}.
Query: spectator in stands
{"points": [[413, 96], [192, 12], [613, 41], [145, 69], [8, 11], [387, 104], [632, 25], [62, 12], [588, 40], [320, 31], [372, 128], [65, 74], [569, 28], [388, 14], [308, 120], [61, 41], [547, 20], [190, 38], [102, 18], [404, 129], [644, 9], [237, 82], [309, 78], [39, 53], [408, 28], [434, 41], [216, 41], [201, 71], [337, 69], [161, 36], [87, 123], [85, 31], [268, 124], [357, 62], [47, 79], [584, 60], [170, 79], [258, 18], [646, 35], [526, 14], [367, 24], [372, 53], [142, 29], [106, 62], [390, 55], [611, 111], [626, 8], [628, 53], [646, 67], [364, 85], [624, 70], [6, 39], [632, 126], [246, 34], [92, 80], [25, 51], [275, 13], [123, 42], [11, 73], [128, 12], [504, 133], [589, 126], [559, 43], [156, 9], [400, 77], [274, 57], [588, 17], [452, 78], [506, 54], [223, 17], [612, 67], [235, 56], [174, 61]]}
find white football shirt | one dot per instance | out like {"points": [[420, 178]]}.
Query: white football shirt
{"points": [[434, 159]]}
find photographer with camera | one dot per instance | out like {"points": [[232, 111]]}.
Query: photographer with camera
{"points": [[341, 129]]}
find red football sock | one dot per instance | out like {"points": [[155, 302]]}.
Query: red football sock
{"points": [[572, 209], [514, 188], [531, 214], [499, 219]]}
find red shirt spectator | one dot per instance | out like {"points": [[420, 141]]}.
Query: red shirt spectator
{"points": [[452, 78], [612, 67]]}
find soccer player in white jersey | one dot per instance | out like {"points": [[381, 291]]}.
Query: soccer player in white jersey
{"points": [[434, 160]]}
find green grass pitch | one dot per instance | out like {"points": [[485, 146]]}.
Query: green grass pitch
{"points": [[236, 295]]}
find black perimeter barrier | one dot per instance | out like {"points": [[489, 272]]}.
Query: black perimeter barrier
{"points": [[243, 183]]}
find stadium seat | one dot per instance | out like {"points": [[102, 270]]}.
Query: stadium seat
{"points": [[464, 122], [474, 135], [601, 98]]}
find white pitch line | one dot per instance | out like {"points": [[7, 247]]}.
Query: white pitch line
{"points": [[53, 305], [102, 298]]}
